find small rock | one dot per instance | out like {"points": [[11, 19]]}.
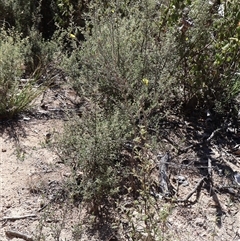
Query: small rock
{"points": [[182, 180], [48, 137], [185, 183], [26, 118], [237, 177], [41, 204], [199, 222], [220, 172], [8, 205]]}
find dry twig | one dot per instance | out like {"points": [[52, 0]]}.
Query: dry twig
{"points": [[18, 217], [15, 234], [163, 176]]}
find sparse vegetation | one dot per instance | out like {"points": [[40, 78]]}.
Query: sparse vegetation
{"points": [[135, 65]]}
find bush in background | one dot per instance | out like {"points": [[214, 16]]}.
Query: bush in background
{"points": [[20, 14], [209, 53], [16, 91]]}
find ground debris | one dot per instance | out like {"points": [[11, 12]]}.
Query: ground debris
{"points": [[18, 217], [15, 234]]}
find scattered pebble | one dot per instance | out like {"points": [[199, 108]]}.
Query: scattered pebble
{"points": [[182, 180], [26, 118], [200, 222]]}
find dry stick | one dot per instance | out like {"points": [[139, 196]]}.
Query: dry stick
{"points": [[212, 191], [198, 186], [18, 217], [213, 134], [14, 234], [163, 177], [210, 168], [177, 189], [44, 206], [14, 171], [216, 200], [210, 175]]}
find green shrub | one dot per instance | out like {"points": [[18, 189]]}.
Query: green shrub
{"points": [[39, 53], [121, 73], [209, 55], [136, 60], [29, 19], [139, 62], [19, 14], [16, 94], [124, 61], [92, 147]]}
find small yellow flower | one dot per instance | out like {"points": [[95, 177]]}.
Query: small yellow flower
{"points": [[72, 36], [113, 11], [145, 81]]}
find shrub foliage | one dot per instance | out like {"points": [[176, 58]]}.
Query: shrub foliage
{"points": [[16, 93], [142, 60], [139, 61]]}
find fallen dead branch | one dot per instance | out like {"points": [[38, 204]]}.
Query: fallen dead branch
{"points": [[201, 142], [163, 175], [213, 134], [196, 189], [14, 234], [18, 217]]}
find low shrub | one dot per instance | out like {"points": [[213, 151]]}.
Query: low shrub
{"points": [[16, 91], [91, 146], [209, 53]]}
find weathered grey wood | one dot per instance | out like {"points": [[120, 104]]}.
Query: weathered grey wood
{"points": [[163, 174]]}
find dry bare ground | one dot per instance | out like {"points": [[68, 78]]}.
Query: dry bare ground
{"points": [[31, 174], [31, 177]]}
